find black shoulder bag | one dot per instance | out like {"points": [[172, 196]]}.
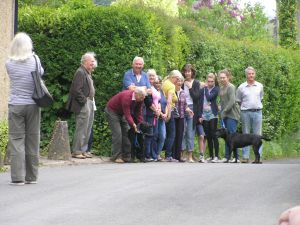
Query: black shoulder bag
{"points": [[40, 95]]}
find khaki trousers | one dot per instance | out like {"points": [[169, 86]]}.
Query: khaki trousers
{"points": [[84, 122], [24, 141]]}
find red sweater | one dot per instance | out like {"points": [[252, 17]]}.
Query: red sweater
{"points": [[122, 103]]}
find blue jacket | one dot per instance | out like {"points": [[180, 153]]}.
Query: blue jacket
{"points": [[130, 78], [211, 97]]}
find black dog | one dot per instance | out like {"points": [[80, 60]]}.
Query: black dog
{"points": [[236, 140], [137, 140]]}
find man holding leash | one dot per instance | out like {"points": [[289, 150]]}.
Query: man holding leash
{"points": [[249, 95]]}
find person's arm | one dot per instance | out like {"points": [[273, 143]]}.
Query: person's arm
{"points": [[126, 103], [231, 100], [128, 83], [212, 95], [77, 87], [195, 90]]}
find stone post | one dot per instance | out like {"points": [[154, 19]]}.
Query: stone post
{"points": [[59, 146], [7, 11]]}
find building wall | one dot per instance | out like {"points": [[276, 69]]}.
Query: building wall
{"points": [[7, 32]]}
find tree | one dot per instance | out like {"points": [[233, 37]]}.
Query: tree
{"points": [[287, 11]]}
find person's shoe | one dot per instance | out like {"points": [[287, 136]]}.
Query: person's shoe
{"points": [[170, 159], [182, 160], [245, 160], [191, 161], [233, 161], [215, 160], [30, 182], [159, 159], [201, 159], [119, 160], [209, 159], [87, 154], [78, 156], [17, 183], [224, 160], [149, 159]]}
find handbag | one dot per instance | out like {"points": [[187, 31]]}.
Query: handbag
{"points": [[40, 95]]}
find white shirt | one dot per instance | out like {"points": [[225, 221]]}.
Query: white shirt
{"points": [[250, 96]]}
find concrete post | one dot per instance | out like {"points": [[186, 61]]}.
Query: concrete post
{"points": [[7, 9]]}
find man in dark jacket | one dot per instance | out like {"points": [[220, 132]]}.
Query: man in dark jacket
{"points": [[81, 102]]}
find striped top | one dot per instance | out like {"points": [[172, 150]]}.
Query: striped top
{"points": [[21, 81]]}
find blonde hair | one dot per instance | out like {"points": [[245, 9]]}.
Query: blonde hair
{"points": [[213, 76], [21, 47]]}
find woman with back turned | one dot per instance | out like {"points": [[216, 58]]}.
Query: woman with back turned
{"points": [[23, 114]]}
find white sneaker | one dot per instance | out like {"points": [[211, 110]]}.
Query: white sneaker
{"points": [[215, 160], [223, 160], [233, 161], [202, 160], [209, 159]]}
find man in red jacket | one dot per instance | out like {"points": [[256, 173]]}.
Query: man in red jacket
{"points": [[122, 109]]}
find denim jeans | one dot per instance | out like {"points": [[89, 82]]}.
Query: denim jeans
{"points": [[189, 132], [231, 125], [171, 132], [251, 121], [150, 141], [161, 136]]}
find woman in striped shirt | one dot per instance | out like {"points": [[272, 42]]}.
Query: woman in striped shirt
{"points": [[23, 114]]}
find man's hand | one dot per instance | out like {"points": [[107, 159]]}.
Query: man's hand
{"points": [[131, 87], [135, 128]]}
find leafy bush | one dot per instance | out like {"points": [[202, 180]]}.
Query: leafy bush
{"points": [[3, 141], [116, 35]]}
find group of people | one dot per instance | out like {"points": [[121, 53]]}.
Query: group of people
{"points": [[178, 108]]}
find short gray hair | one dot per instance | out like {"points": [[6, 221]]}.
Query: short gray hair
{"points": [[88, 55], [138, 58], [21, 47], [151, 72], [176, 74], [248, 69], [140, 91]]}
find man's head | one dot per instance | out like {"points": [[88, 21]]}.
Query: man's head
{"points": [[137, 65], [250, 74], [88, 61], [139, 94]]}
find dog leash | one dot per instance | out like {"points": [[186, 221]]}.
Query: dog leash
{"points": [[136, 142]]}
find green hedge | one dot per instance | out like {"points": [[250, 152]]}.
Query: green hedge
{"points": [[3, 142], [116, 35]]}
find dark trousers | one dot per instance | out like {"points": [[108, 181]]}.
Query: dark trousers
{"points": [[119, 129], [210, 127], [171, 132], [177, 147]]}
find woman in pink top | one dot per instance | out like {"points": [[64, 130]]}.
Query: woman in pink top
{"points": [[152, 113]]}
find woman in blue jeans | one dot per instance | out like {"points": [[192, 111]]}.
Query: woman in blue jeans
{"points": [[230, 113], [161, 125], [191, 89]]}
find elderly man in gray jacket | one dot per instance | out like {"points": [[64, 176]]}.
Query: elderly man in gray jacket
{"points": [[81, 102]]}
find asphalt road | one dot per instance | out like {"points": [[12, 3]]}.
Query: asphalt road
{"points": [[153, 193]]}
